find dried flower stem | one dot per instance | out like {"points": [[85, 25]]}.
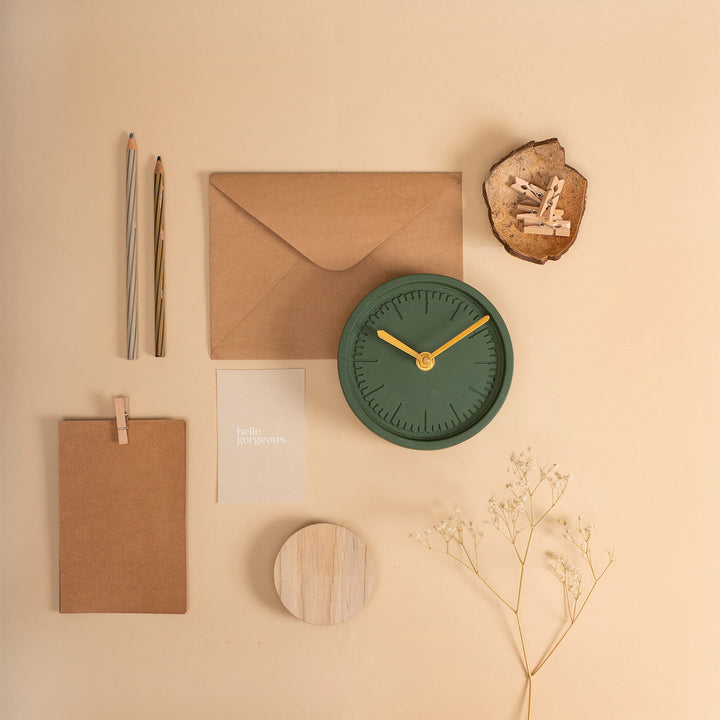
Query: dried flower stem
{"points": [[573, 619], [512, 517], [480, 577]]}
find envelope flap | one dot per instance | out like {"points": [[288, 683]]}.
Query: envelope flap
{"points": [[334, 219]]}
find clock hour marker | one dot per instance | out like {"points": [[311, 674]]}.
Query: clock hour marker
{"points": [[459, 419], [452, 317], [397, 310], [372, 392], [392, 419]]}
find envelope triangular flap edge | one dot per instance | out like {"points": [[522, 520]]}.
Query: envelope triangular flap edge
{"points": [[334, 219]]}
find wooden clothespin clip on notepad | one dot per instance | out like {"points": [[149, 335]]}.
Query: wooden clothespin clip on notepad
{"points": [[122, 409], [538, 210]]}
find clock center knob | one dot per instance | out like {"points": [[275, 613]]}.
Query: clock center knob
{"points": [[425, 361]]}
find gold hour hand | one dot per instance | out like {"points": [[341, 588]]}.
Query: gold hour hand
{"points": [[460, 336], [388, 338]]}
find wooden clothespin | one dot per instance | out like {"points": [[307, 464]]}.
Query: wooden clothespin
{"points": [[533, 210], [541, 216], [532, 193], [546, 202], [122, 408], [539, 227]]}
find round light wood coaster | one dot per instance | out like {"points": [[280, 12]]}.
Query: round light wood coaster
{"points": [[324, 574]]}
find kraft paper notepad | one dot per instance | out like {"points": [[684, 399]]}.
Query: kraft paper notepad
{"points": [[122, 517], [261, 435]]}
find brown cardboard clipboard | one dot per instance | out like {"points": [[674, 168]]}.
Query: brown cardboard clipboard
{"points": [[291, 254]]}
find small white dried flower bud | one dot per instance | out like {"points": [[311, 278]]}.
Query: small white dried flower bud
{"points": [[559, 567]]}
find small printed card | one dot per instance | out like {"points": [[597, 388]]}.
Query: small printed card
{"points": [[261, 435]]}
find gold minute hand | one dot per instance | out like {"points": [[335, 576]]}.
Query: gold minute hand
{"points": [[460, 336], [388, 338]]}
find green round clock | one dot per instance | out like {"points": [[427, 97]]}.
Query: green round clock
{"points": [[425, 361]]}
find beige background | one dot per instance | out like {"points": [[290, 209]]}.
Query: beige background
{"points": [[617, 349]]}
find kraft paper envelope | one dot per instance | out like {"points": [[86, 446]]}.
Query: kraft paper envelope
{"points": [[291, 254]]}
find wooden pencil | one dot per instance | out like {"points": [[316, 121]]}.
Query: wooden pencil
{"points": [[131, 247], [159, 236]]}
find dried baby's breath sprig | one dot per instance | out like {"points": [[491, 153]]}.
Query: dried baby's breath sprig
{"points": [[516, 516]]}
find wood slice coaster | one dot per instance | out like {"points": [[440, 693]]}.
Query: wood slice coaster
{"points": [[536, 162], [324, 574]]}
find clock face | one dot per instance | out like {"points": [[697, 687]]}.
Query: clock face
{"points": [[425, 361]]}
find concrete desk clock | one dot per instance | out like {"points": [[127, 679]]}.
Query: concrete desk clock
{"points": [[324, 574], [425, 361]]}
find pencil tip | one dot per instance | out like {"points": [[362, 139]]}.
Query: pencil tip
{"points": [[132, 135], [159, 158]]}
